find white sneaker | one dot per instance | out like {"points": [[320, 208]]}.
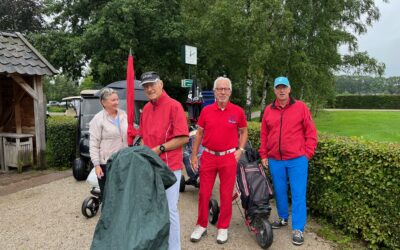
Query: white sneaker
{"points": [[222, 236], [198, 232]]}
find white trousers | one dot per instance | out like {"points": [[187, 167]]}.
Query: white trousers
{"points": [[172, 192]]}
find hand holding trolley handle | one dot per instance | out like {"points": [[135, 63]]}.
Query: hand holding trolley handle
{"points": [[264, 163], [99, 172]]}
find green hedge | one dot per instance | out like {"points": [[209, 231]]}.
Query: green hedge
{"points": [[61, 141], [367, 102], [56, 109], [356, 185], [254, 133]]}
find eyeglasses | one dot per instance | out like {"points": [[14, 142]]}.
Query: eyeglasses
{"points": [[222, 89]]}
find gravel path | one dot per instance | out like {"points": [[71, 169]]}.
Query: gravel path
{"points": [[49, 217]]}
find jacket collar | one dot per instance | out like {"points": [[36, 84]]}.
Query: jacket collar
{"points": [[119, 115], [161, 100], [216, 107], [275, 104]]}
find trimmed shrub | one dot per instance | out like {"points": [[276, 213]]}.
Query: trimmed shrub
{"points": [[367, 101], [61, 141], [355, 184], [254, 133], [56, 109]]}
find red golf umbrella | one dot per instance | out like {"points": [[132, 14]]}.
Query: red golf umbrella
{"points": [[130, 99]]}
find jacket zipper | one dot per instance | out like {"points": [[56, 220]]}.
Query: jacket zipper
{"points": [[280, 134], [120, 131]]}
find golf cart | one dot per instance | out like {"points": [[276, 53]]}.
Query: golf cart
{"points": [[71, 104], [88, 108]]}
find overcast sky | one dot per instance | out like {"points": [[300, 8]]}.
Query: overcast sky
{"points": [[382, 40]]}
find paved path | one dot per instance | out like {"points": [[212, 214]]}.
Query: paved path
{"points": [[48, 216], [12, 182]]}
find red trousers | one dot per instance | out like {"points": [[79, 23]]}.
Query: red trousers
{"points": [[225, 166]]}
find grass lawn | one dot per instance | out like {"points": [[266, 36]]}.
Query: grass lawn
{"points": [[370, 125]]}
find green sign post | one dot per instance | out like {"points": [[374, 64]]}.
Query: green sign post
{"points": [[186, 83]]}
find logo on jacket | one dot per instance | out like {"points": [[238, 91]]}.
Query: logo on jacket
{"points": [[232, 119]]}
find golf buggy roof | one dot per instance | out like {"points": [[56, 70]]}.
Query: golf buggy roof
{"points": [[120, 87], [89, 93], [70, 98]]}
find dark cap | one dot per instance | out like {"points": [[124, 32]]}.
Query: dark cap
{"points": [[149, 77]]}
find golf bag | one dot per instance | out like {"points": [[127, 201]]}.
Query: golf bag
{"points": [[254, 186]]}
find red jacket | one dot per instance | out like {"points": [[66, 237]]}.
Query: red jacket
{"points": [[161, 121], [287, 133]]}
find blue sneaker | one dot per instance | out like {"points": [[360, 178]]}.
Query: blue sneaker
{"points": [[298, 238]]}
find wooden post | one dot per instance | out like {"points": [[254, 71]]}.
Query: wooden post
{"points": [[39, 121], [17, 108], [18, 79]]}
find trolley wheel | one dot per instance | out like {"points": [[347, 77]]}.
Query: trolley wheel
{"points": [[213, 211], [264, 233], [197, 184], [182, 185], [79, 169], [90, 206]]}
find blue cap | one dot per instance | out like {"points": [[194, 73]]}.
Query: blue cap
{"points": [[281, 81]]}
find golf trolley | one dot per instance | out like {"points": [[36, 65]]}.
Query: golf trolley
{"points": [[195, 102], [91, 205], [193, 175], [255, 191]]}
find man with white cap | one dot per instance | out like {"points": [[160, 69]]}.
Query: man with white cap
{"points": [[164, 129], [288, 141]]}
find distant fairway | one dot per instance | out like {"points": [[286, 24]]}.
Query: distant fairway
{"points": [[370, 125]]}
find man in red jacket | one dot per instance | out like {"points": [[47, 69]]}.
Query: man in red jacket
{"points": [[164, 129], [288, 140]]}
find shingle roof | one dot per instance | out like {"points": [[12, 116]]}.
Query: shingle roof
{"points": [[17, 55]]}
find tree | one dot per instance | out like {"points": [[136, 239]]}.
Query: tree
{"points": [[254, 41], [21, 15], [58, 87], [250, 41], [88, 83], [101, 34], [233, 39], [355, 84]]}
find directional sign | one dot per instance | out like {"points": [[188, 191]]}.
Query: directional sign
{"points": [[186, 83]]}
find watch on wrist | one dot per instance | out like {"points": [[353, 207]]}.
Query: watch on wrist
{"points": [[242, 149], [162, 148]]}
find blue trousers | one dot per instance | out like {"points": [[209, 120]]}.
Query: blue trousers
{"points": [[296, 170], [174, 241]]}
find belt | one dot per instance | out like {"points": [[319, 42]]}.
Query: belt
{"points": [[220, 153]]}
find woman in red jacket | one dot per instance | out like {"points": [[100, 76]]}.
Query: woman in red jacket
{"points": [[288, 140]]}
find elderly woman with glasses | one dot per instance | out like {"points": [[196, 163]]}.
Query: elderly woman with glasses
{"points": [[108, 133]]}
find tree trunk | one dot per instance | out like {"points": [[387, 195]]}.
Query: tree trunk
{"points": [[249, 97], [264, 97], [302, 93]]}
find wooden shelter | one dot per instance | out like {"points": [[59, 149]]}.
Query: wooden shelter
{"points": [[22, 105]]}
